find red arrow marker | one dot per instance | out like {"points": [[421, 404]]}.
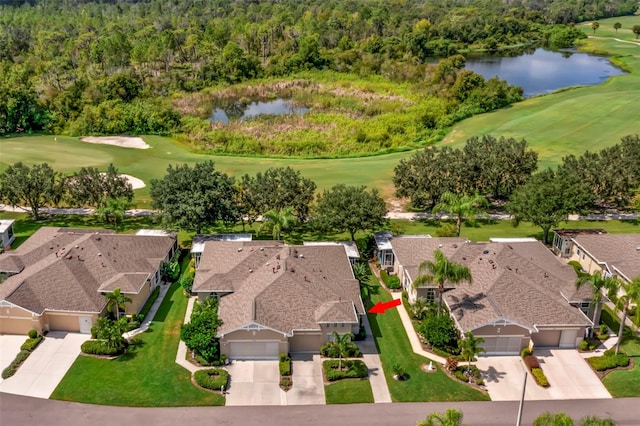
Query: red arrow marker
{"points": [[380, 307]]}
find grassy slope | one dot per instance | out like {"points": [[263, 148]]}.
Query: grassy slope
{"points": [[349, 391], [394, 347], [146, 376], [572, 121]]}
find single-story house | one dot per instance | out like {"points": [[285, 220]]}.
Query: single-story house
{"points": [[197, 246], [349, 246], [276, 298], [57, 279], [6, 233], [613, 254], [521, 295]]}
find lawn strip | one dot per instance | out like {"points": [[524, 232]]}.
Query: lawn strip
{"points": [[349, 391]]}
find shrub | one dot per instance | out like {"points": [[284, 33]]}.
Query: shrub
{"points": [[525, 352], [330, 350], [603, 337], [286, 382], [170, 271], [399, 371], [441, 333], [452, 363], [100, 347], [350, 369], [148, 304], [31, 343], [460, 374], [584, 345], [540, 378], [33, 333], [531, 362], [362, 334], [213, 378], [394, 282], [284, 365], [13, 367], [608, 361], [604, 329]]}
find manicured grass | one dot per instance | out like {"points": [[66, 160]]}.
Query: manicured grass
{"points": [[394, 347], [147, 375], [576, 120], [626, 383], [349, 391]]}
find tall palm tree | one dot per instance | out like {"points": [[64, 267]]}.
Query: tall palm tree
{"points": [[440, 271], [451, 417], [341, 342], [116, 300], [597, 282], [631, 295], [279, 220], [470, 347], [112, 210], [460, 206]]}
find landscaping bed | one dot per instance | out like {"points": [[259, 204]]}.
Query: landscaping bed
{"points": [[350, 369], [215, 379], [534, 368], [284, 365], [609, 361], [25, 350]]}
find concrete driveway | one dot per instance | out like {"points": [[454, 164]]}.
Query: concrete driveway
{"points": [[254, 383], [9, 348], [569, 375], [308, 388], [41, 373]]}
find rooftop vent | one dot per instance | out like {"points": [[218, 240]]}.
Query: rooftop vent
{"points": [[239, 249], [485, 251], [261, 248], [99, 254], [301, 256], [250, 270], [440, 245]]}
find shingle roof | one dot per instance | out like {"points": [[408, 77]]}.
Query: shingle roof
{"points": [[619, 251], [65, 269], [277, 286], [521, 282]]}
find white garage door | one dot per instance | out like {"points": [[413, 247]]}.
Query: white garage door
{"points": [[501, 345], [568, 338], [254, 350]]}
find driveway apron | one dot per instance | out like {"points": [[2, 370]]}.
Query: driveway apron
{"points": [[308, 388], [254, 383], [41, 373]]}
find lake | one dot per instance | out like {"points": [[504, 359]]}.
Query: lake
{"points": [[544, 71], [238, 111]]}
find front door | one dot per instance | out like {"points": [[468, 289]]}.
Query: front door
{"points": [[85, 325]]}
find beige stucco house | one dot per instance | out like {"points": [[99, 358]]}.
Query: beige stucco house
{"points": [[56, 280], [276, 298], [521, 295]]}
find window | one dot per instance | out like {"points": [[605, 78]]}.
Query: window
{"points": [[584, 307], [579, 252]]}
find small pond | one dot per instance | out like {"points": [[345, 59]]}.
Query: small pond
{"points": [[239, 111], [544, 71]]}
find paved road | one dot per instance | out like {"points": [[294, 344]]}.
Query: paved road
{"points": [[21, 410]]}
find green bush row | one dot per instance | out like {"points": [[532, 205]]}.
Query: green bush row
{"points": [[606, 362], [213, 378], [99, 347], [391, 281], [30, 344], [351, 369], [284, 365], [540, 378], [149, 303], [13, 367]]}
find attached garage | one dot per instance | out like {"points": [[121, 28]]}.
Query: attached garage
{"points": [[264, 349], [309, 343], [502, 345], [15, 325], [546, 338]]}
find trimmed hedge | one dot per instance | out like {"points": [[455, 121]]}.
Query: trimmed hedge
{"points": [[540, 378], [213, 378], [608, 361], [149, 303], [284, 365], [391, 281], [13, 367], [99, 347], [33, 333], [351, 369], [31, 343]]}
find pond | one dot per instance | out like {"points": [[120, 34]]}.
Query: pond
{"points": [[544, 71], [239, 111]]}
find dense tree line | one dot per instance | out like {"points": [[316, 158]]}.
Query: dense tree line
{"points": [[98, 62]]}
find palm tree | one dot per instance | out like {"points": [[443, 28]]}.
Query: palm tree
{"points": [[617, 26], [470, 347], [439, 271], [112, 210], [341, 344], [631, 295], [597, 282], [460, 206], [451, 417], [279, 220], [595, 25], [419, 308], [116, 300]]}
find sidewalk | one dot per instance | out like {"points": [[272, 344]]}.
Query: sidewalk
{"points": [[181, 355], [152, 313]]}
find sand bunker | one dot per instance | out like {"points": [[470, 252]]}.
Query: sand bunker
{"points": [[121, 141], [134, 181]]}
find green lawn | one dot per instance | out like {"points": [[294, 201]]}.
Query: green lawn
{"points": [[576, 120], [394, 347], [147, 375], [349, 391], [626, 383]]}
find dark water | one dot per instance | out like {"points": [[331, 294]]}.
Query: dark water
{"points": [[544, 71], [237, 111]]}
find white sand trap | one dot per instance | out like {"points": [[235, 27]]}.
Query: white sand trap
{"points": [[121, 141], [134, 181]]}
